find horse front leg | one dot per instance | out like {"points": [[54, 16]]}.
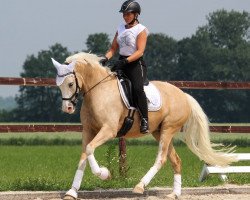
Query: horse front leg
{"points": [[106, 133], [72, 193]]}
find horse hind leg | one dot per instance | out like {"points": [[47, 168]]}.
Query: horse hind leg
{"points": [[166, 135], [176, 165]]}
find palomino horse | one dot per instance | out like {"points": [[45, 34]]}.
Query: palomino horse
{"points": [[103, 112]]}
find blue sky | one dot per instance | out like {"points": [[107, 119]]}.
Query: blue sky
{"points": [[28, 26]]}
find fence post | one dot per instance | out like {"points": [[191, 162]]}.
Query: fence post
{"points": [[122, 157]]}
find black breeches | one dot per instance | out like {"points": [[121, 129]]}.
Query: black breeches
{"points": [[136, 72]]}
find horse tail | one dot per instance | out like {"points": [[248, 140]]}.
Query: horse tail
{"points": [[196, 136]]}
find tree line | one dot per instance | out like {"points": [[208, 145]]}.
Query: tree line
{"points": [[218, 51]]}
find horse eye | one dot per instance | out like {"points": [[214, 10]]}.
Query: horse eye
{"points": [[71, 84]]}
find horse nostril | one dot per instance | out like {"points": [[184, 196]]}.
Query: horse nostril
{"points": [[70, 108]]}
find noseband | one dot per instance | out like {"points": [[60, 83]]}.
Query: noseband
{"points": [[74, 98]]}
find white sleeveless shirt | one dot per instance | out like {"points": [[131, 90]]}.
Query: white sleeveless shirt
{"points": [[126, 38]]}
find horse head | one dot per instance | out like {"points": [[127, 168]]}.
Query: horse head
{"points": [[67, 81], [83, 72]]}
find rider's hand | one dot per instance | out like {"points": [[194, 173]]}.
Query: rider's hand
{"points": [[119, 64], [104, 61]]}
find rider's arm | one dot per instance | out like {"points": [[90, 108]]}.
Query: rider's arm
{"points": [[113, 48], [141, 45]]}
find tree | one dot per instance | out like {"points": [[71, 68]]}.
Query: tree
{"points": [[41, 103], [228, 29], [161, 57], [228, 32], [195, 57], [98, 43], [219, 51]]}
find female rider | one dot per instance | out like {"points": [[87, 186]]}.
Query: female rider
{"points": [[130, 39]]}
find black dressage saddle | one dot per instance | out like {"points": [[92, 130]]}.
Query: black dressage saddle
{"points": [[127, 86]]}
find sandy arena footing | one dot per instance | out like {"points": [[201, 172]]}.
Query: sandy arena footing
{"points": [[225, 192]]}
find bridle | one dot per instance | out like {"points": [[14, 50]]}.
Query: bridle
{"points": [[74, 98]]}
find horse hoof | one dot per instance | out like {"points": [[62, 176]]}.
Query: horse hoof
{"points": [[67, 197], [172, 196], [70, 195], [139, 188], [105, 174]]}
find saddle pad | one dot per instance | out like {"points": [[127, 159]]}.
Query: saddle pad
{"points": [[152, 94]]}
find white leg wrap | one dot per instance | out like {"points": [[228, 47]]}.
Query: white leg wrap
{"points": [[177, 184], [148, 177], [72, 192], [104, 173], [78, 179], [79, 175], [94, 165]]}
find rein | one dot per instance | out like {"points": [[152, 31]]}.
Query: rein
{"points": [[84, 93], [78, 89]]}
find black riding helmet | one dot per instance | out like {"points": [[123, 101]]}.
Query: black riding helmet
{"points": [[131, 6]]}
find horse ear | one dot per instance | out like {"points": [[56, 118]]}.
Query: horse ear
{"points": [[71, 66], [56, 64]]}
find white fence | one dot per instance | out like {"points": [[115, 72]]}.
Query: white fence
{"points": [[222, 171]]}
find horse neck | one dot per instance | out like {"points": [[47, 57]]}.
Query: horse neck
{"points": [[90, 76]]}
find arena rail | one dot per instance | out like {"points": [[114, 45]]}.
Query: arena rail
{"points": [[8, 128], [180, 84], [50, 82]]}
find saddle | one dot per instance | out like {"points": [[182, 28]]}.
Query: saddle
{"points": [[125, 88], [125, 85], [152, 93]]}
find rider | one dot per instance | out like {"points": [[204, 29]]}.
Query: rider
{"points": [[130, 39]]}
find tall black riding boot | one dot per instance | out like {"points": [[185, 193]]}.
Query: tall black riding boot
{"points": [[144, 126]]}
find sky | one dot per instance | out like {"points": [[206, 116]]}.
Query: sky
{"points": [[29, 26]]}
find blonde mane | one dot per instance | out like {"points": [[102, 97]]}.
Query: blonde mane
{"points": [[83, 57]]}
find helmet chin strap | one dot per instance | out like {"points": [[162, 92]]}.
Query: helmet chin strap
{"points": [[133, 21]]}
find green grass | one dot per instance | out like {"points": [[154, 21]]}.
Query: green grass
{"points": [[53, 168], [39, 138], [48, 161], [73, 138]]}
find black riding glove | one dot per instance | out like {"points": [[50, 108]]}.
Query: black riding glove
{"points": [[104, 61], [119, 64]]}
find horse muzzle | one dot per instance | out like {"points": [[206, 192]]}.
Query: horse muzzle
{"points": [[68, 107]]}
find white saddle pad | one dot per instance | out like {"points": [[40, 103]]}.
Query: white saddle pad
{"points": [[152, 94]]}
